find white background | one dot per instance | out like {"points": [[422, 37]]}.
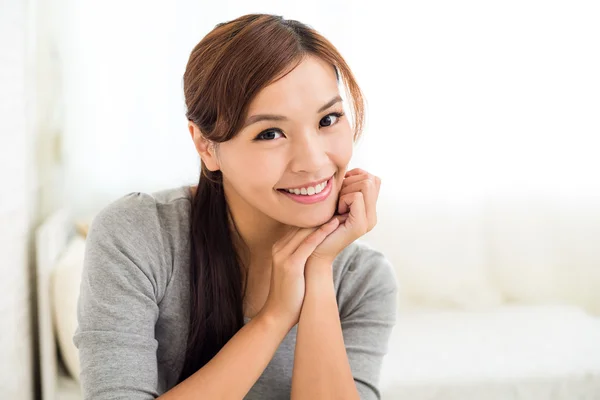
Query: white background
{"points": [[467, 99]]}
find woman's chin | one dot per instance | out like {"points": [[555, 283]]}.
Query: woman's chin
{"points": [[313, 220]]}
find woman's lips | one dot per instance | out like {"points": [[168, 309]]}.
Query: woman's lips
{"points": [[310, 199]]}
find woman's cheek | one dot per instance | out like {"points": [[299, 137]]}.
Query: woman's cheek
{"points": [[251, 171], [342, 146]]}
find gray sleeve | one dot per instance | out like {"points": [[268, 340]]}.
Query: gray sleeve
{"points": [[117, 308], [368, 313]]}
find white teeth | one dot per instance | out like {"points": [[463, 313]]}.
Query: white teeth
{"points": [[309, 191]]}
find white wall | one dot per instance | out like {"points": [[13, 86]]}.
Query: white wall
{"points": [[476, 99], [474, 108], [125, 117], [484, 127], [466, 99], [17, 194]]}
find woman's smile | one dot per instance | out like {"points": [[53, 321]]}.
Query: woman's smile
{"points": [[310, 194]]}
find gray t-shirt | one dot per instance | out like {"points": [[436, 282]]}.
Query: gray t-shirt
{"points": [[133, 309]]}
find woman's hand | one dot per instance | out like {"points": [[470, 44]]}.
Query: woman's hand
{"points": [[290, 254], [358, 214]]}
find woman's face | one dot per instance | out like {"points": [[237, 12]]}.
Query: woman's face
{"points": [[293, 138]]}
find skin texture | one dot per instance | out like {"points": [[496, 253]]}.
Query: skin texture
{"points": [[308, 144], [307, 147], [291, 245]]}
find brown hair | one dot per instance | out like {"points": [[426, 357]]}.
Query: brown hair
{"points": [[225, 71]]}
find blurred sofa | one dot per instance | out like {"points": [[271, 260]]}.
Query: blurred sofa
{"points": [[498, 300]]}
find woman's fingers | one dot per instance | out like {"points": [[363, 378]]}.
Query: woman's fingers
{"points": [[289, 243], [310, 243], [341, 218], [370, 193], [375, 181], [292, 241], [356, 171], [364, 185], [368, 185], [354, 204], [288, 237], [352, 179], [293, 244], [280, 244], [356, 209]]}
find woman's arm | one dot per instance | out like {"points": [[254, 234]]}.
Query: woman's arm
{"points": [[321, 368], [122, 285], [237, 366], [343, 338]]}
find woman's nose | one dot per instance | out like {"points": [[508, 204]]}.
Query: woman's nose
{"points": [[309, 153]]}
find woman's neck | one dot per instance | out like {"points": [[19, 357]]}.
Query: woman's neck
{"points": [[253, 233]]}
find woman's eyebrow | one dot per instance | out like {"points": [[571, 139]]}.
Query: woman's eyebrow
{"points": [[272, 117], [330, 103]]}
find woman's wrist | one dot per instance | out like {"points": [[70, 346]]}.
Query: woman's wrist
{"points": [[275, 322], [318, 274]]}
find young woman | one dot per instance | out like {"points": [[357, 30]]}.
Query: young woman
{"points": [[250, 284]]}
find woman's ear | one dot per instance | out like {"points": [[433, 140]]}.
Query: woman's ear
{"points": [[204, 147]]}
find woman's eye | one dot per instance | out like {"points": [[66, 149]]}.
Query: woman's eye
{"points": [[268, 135], [326, 121], [331, 119]]}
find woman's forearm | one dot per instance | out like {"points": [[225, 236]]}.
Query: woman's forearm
{"points": [[321, 368], [237, 366]]}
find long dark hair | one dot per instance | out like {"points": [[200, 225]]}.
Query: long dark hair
{"points": [[225, 71]]}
